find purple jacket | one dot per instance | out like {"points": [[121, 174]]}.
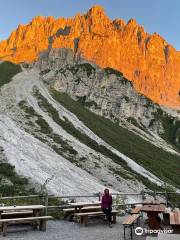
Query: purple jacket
{"points": [[106, 201]]}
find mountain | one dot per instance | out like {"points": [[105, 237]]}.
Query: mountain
{"points": [[68, 114], [84, 127], [147, 60]]}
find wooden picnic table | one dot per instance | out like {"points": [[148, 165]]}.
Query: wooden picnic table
{"points": [[79, 205], [153, 202], [35, 208], [175, 219], [152, 213]]}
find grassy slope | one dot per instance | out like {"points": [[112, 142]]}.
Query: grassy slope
{"points": [[69, 127], [18, 183], [171, 127], [161, 163], [7, 71]]}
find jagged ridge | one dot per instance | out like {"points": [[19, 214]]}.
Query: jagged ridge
{"points": [[148, 60]]}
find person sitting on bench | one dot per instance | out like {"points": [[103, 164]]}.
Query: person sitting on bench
{"points": [[106, 205]]}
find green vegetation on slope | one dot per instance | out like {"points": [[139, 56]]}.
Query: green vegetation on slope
{"points": [[69, 127], [154, 159], [10, 182], [7, 71], [171, 128], [45, 129], [110, 71]]}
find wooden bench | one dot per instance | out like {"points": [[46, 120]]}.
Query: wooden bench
{"points": [[129, 222], [69, 212], [82, 209], [83, 217], [18, 214], [42, 220], [175, 220]]}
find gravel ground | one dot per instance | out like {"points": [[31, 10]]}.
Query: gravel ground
{"points": [[63, 230]]}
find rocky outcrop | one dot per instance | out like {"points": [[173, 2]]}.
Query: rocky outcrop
{"points": [[148, 60], [105, 91]]}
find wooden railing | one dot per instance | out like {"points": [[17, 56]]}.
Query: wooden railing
{"points": [[46, 197]]}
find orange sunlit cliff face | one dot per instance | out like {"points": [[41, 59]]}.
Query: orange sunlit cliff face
{"points": [[148, 60]]}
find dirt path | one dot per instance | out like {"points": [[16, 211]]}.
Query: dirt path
{"points": [[63, 230]]}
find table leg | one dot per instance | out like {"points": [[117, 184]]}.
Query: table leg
{"points": [[35, 214], [1, 223], [152, 221]]}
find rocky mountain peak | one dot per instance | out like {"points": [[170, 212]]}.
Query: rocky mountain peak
{"points": [[96, 10], [147, 60], [132, 22]]}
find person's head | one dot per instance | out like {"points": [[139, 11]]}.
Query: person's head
{"points": [[106, 191]]}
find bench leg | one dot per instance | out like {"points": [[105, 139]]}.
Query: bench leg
{"points": [[138, 221], [131, 233], [42, 226], [85, 220], [35, 225], [81, 220], [124, 232], [114, 218], [4, 229]]}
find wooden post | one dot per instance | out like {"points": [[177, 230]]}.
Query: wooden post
{"points": [[46, 204], [42, 226], [154, 195], [167, 201], [143, 195], [99, 195], [4, 229]]}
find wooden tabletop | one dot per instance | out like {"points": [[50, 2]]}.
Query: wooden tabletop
{"points": [[153, 208], [152, 202], [175, 218], [83, 204], [28, 207]]}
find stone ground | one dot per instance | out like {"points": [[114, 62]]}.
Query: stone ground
{"points": [[64, 230]]}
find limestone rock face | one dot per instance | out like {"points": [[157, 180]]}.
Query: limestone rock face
{"points": [[105, 91], [147, 60]]}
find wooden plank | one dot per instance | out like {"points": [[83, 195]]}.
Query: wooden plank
{"points": [[94, 213], [153, 202], [136, 210], [175, 218], [91, 208], [172, 218], [81, 204], [153, 208], [10, 220], [15, 208], [68, 209], [131, 219], [88, 213], [16, 213], [83, 209]]}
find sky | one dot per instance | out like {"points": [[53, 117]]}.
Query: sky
{"points": [[161, 16]]}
